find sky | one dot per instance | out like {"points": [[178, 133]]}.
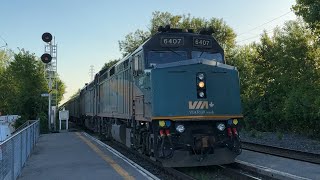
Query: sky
{"points": [[87, 32]]}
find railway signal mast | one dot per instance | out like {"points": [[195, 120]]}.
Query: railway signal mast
{"points": [[49, 58]]}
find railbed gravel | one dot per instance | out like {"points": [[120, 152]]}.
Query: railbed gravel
{"points": [[203, 173], [288, 141]]}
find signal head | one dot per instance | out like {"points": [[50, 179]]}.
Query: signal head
{"points": [[47, 37], [46, 58]]}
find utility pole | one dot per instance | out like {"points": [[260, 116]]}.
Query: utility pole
{"points": [[91, 72]]}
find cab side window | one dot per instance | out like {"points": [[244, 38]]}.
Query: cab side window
{"points": [[138, 64]]}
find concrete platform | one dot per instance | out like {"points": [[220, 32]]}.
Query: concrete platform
{"points": [[278, 167], [72, 155]]}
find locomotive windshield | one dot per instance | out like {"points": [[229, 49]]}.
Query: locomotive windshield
{"points": [[173, 45], [162, 57], [207, 55]]}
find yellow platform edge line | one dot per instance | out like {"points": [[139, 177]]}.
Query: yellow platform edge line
{"points": [[106, 158]]}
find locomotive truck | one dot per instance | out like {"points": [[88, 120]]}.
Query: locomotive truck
{"points": [[174, 99]]}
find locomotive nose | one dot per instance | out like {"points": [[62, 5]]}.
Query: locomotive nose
{"points": [[196, 88]]}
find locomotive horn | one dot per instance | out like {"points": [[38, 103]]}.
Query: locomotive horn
{"points": [[167, 27], [210, 30], [160, 29]]}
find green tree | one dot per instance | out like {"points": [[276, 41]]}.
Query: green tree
{"points": [[110, 63], [5, 57], [309, 11], [280, 81], [133, 41], [61, 89], [222, 32], [22, 81], [25, 79]]}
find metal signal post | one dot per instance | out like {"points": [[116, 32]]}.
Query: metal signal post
{"points": [[50, 59]]}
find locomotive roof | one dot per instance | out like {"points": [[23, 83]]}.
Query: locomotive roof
{"points": [[155, 39]]}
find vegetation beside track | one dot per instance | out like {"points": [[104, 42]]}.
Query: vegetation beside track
{"points": [[22, 81]]}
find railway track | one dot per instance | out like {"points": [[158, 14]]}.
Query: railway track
{"points": [[282, 152], [231, 171], [175, 174], [235, 171]]}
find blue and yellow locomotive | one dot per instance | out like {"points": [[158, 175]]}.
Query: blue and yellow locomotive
{"points": [[174, 99]]}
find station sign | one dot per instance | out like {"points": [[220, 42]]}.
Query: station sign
{"points": [[45, 95]]}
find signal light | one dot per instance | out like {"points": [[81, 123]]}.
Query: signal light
{"points": [[235, 121], [46, 58], [235, 132], [168, 123], [180, 128], [201, 94], [221, 126], [47, 37], [162, 123], [167, 132], [229, 132], [201, 76], [162, 133], [201, 85]]}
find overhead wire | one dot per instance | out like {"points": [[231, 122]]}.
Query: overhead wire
{"points": [[264, 23], [252, 37], [6, 44]]}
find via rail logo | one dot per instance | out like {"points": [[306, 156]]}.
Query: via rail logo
{"points": [[200, 107]]}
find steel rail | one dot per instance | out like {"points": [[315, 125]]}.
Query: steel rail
{"points": [[282, 152], [173, 172], [234, 171]]}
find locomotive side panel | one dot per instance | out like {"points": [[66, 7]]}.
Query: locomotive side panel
{"points": [[123, 95], [77, 107], [102, 98], [88, 102], [105, 99], [82, 103]]}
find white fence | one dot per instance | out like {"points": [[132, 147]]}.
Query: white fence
{"points": [[15, 151]]}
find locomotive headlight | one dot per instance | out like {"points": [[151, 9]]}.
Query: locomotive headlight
{"points": [[201, 84], [201, 94], [201, 76], [221, 127], [180, 128]]}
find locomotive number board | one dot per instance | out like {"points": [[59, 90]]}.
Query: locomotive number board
{"points": [[202, 42], [172, 41]]}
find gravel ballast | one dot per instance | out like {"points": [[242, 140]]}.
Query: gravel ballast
{"points": [[288, 141]]}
